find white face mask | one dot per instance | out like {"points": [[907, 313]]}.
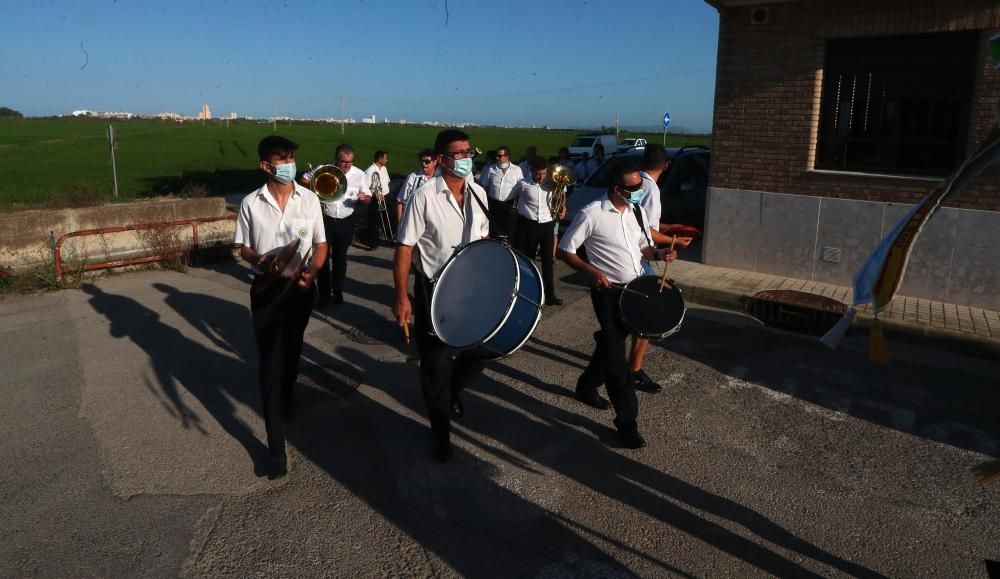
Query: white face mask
{"points": [[505, 165]]}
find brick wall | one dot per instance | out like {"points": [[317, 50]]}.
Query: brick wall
{"points": [[769, 79]]}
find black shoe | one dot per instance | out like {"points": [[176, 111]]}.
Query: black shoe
{"points": [[277, 470], [592, 399], [640, 381], [441, 448], [554, 301], [337, 298], [457, 408], [632, 439]]}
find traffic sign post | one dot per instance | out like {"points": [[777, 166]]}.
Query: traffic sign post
{"points": [[666, 123]]}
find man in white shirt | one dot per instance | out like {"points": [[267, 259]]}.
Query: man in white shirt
{"points": [[596, 160], [269, 219], [529, 153], [581, 167], [415, 180], [536, 224], [377, 176], [499, 180], [440, 216], [339, 217], [615, 235], [654, 162]]}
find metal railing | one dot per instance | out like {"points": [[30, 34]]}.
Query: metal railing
{"points": [[57, 248]]}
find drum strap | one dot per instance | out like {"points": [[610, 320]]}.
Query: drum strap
{"points": [[493, 224], [645, 230]]}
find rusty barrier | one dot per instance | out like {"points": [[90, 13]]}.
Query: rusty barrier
{"points": [[57, 248]]}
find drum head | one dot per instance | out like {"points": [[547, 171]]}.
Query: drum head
{"points": [[653, 314], [474, 293]]}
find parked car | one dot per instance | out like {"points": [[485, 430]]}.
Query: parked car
{"points": [[683, 186], [586, 143], [631, 144]]}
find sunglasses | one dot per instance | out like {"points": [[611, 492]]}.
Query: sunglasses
{"points": [[426, 161], [631, 189]]}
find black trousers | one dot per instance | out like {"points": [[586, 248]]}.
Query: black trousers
{"points": [[278, 326], [339, 235], [609, 362], [504, 218], [375, 221], [531, 234], [443, 372]]}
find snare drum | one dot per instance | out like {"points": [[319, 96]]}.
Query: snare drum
{"points": [[487, 298], [649, 312]]}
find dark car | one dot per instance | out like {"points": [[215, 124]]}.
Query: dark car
{"points": [[683, 186]]}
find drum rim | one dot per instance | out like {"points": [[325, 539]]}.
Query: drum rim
{"points": [[657, 336], [510, 304], [538, 311]]}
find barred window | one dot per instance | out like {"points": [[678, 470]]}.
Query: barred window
{"points": [[897, 104]]}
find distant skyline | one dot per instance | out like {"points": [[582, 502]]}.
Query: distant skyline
{"points": [[559, 63]]}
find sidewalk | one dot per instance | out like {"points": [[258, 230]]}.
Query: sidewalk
{"points": [[730, 288]]}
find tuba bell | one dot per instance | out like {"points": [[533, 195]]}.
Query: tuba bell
{"points": [[328, 183], [562, 176]]}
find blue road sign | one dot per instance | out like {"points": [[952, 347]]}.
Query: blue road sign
{"points": [[666, 120]]}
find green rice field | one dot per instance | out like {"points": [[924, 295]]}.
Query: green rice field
{"points": [[66, 162]]}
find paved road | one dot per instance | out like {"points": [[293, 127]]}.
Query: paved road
{"points": [[130, 434]]}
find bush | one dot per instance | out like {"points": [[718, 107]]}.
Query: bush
{"points": [[8, 279]]}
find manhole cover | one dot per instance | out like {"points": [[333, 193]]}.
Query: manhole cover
{"points": [[795, 310], [327, 383], [356, 335]]}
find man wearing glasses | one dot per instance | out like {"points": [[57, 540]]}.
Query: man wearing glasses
{"points": [[438, 217], [499, 180], [416, 179], [615, 232], [338, 218]]}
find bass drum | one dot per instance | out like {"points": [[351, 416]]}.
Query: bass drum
{"points": [[487, 298], [649, 312]]}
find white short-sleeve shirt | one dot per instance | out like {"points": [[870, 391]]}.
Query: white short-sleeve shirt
{"points": [[356, 181], [414, 181], [263, 227], [435, 226], [614, 239], [499, 184], [651, 202], [383, 177], [533, 200]]}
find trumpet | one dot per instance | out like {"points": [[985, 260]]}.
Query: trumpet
{"points": [[383, 209], [562, 176], [328, 183]]}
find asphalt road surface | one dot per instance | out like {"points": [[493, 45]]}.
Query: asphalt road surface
{"points": [[132, 444]]}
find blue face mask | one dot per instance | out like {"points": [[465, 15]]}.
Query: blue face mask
{"points": [[284, 174], [463, 167], [636, 197]]}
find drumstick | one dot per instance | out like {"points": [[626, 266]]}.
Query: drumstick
{"points": [[666, 265], [632, 291], [406, 331]]}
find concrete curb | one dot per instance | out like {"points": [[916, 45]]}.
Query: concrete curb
{"points": [[736, 301]]}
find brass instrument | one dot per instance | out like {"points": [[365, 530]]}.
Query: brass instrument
{"points": [[383, 209], [329, 183], [562, 177]]}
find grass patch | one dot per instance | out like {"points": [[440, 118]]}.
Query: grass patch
{"points": [[66, 162]]}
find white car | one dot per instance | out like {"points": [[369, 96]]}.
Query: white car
{"points": [[632, 144]]}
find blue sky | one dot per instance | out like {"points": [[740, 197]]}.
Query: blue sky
{"points": [[560, 63]]}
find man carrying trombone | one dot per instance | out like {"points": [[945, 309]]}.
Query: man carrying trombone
{"points": [[378, 212], [278, 226]]}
